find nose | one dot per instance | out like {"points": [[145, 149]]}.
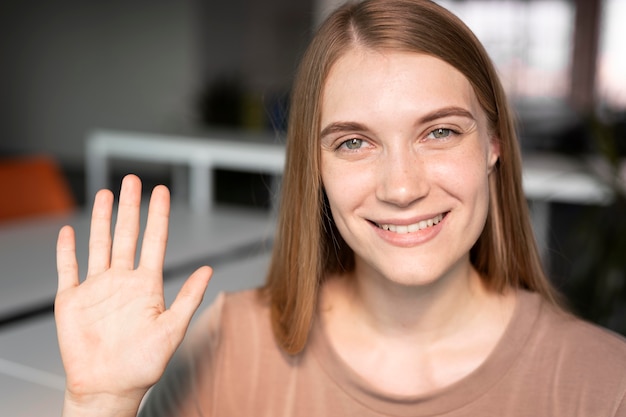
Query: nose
{"points": [[403, 178]]}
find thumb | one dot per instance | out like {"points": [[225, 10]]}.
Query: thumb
{"points": [[189, 298]]}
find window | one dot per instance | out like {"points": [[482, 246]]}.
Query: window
{"points": [[529, 42], [611, 69]]}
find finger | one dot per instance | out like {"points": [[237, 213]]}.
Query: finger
{"points": [[127, 224], [188, 299], [67, 266], [100, 233], [155, 236]]}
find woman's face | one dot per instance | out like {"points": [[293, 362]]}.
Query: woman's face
{"points": [[405, 158]]}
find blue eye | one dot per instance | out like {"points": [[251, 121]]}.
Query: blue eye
{"points": [[441, 133], [353, 143]]}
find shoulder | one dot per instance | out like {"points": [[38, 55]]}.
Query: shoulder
{"points": [[244, 360], [250, 299], [231, 316], [581, 364], [232, 332], [244, 308], [571, 349], [238, 320], [577, 336], [233, 308]]}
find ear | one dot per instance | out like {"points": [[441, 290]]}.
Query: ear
{"points": [[494, 152]]}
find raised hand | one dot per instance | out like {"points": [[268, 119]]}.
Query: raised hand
{"points": [[115, 333]]}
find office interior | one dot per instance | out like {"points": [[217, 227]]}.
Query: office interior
{"points": [[205, 69]]}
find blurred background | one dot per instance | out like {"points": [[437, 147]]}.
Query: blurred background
{"points": [[194, 94], [205, 68], [73, 66]]}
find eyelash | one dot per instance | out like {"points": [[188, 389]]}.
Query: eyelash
{"points": [[450, 132], [345, 143]]}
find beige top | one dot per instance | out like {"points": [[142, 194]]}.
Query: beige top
{"points": [[547, 363]]}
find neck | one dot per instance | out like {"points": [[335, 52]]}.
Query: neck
{"points": [[388, 333], [425, 312]]}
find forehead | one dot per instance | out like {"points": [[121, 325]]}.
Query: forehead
{"points": [[369, 80]]}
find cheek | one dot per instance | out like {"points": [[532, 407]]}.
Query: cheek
{"points": [[340, 191], [474, 184], [333, 181], [346, 186], [465, 175]]}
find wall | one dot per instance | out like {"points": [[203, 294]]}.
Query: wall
{"points": [[69, 66]]}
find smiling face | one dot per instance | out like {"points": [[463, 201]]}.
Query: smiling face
{"points": [[405, 159]]}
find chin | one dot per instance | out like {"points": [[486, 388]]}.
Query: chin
{"points": [[409, 277], [419, 272]]}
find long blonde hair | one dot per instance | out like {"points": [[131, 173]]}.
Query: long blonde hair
{"points": [[308, 246]]}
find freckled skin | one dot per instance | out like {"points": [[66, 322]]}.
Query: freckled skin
{"points": [[404, 139]]}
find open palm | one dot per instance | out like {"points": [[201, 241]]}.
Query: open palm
{"points": [[115, 333]]}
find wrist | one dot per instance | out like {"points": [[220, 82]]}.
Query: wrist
{"points": [[101, 405]]}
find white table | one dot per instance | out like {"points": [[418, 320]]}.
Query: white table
{"points": [[551, 178], [564, 179], [27, 250], [247, 152]]}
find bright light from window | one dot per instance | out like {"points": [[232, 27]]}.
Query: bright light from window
{"points": [[611, 74], [529, 42]]}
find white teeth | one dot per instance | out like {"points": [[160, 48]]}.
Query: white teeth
{"points": [[402, 229]]}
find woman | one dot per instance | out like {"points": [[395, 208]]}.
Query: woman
{"points": [[404, 280]]}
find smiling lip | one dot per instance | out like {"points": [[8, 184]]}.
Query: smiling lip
{"points": [[413, 227]]}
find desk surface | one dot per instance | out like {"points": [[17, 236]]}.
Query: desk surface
{"points": [[28, 278]]}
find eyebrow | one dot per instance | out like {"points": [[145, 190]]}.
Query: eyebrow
{"points": [[339, 127], [445, 112]]}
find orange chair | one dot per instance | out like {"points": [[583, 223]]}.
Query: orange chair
{"points": [[33, 186]]}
